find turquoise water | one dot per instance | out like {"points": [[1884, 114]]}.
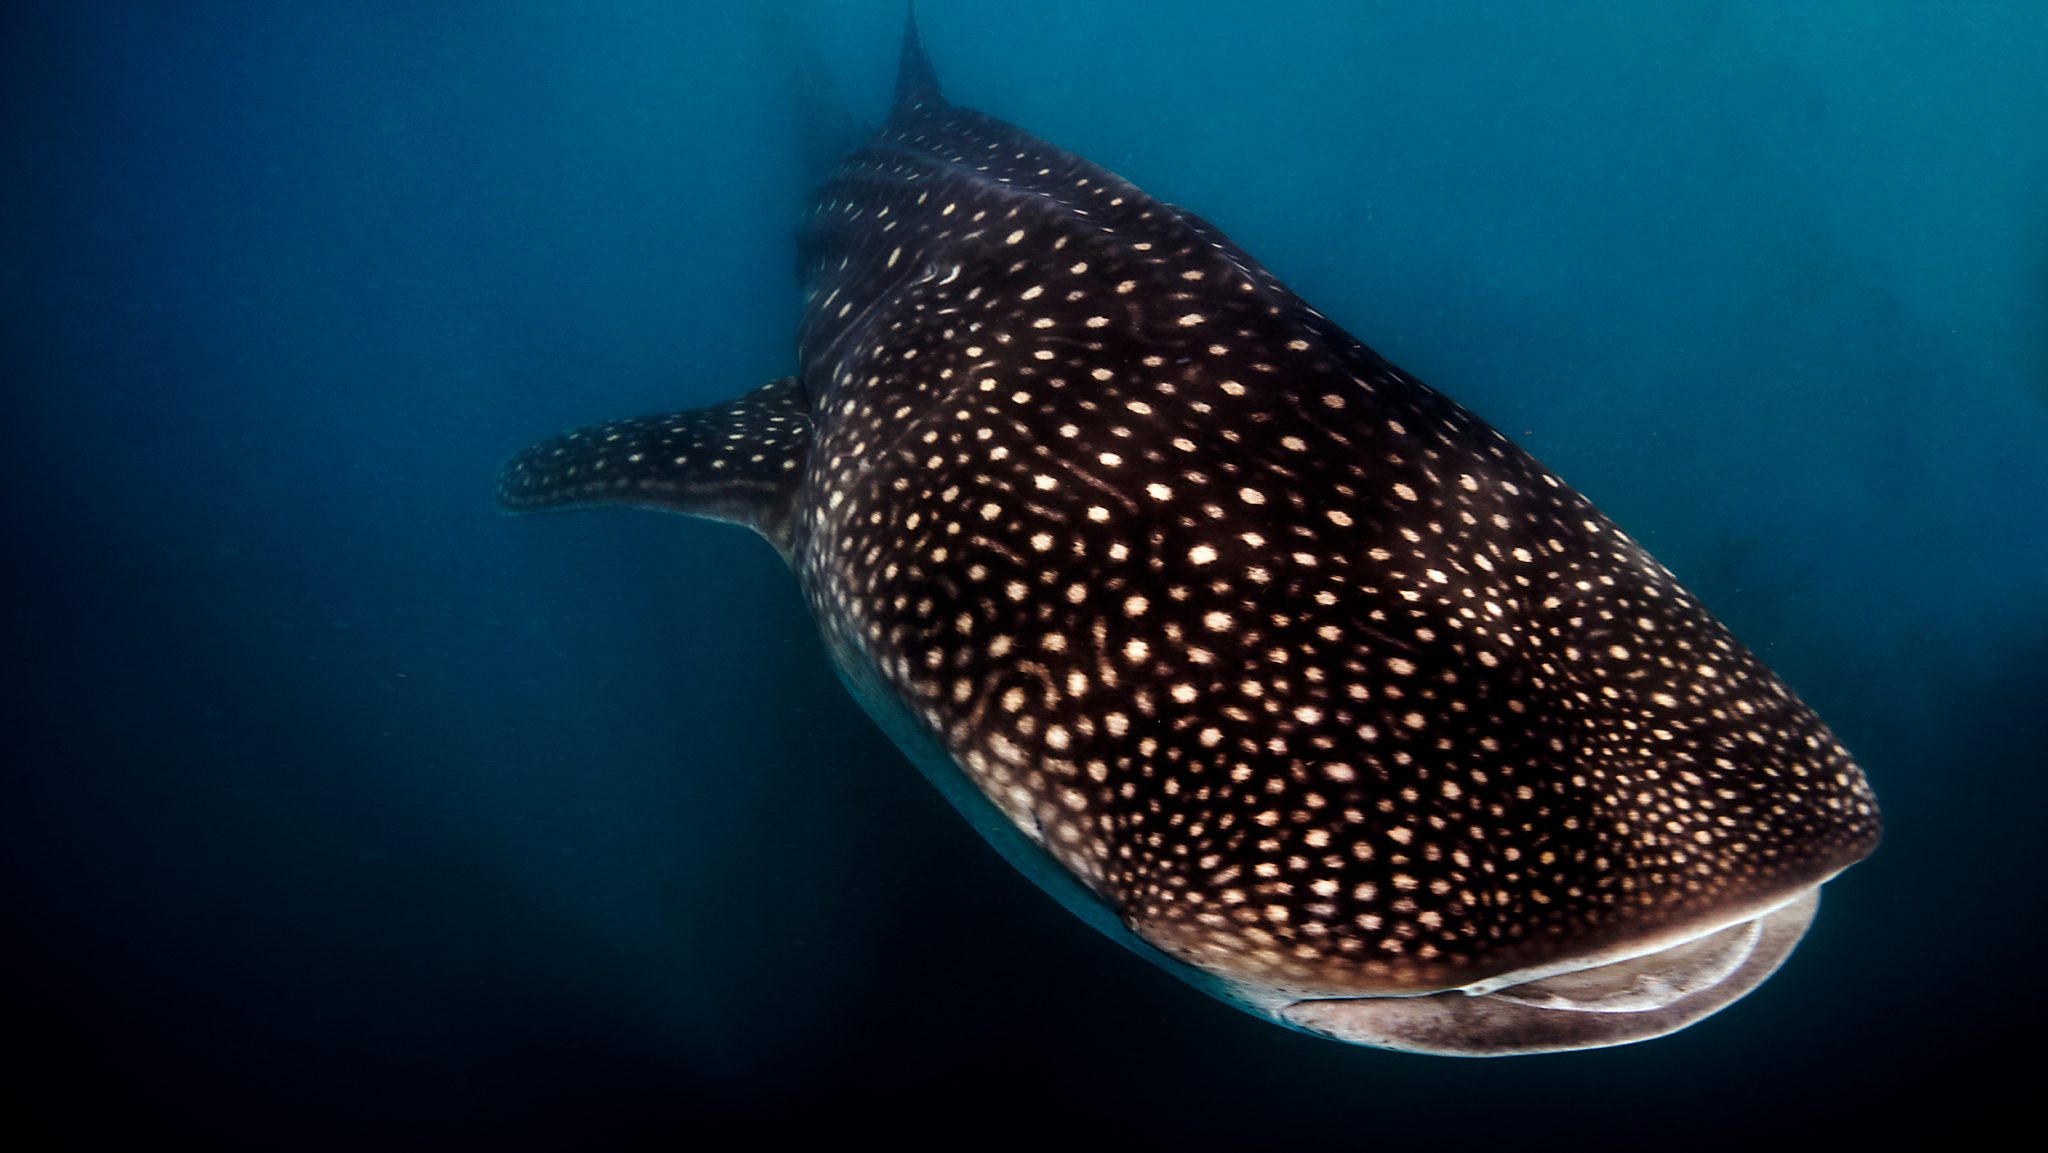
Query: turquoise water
{"points": [[348, 811]]}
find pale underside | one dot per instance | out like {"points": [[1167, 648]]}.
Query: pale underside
{"points": [[1614, 1003]]}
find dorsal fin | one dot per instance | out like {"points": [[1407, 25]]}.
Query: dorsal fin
{"points": [[740, 461], [916, 84]]}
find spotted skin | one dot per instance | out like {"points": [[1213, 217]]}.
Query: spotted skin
{"points": [[1295, 671]]}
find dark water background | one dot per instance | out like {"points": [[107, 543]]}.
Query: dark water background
{"points": [[343, 812]]}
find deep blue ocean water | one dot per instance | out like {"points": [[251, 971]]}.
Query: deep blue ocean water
{"points": [[346, 812]]}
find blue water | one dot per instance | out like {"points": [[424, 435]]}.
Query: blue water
{"points": [[345, 812]]}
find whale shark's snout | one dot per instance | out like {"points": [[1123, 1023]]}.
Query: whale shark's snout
{"points": [[1588, 1003]]}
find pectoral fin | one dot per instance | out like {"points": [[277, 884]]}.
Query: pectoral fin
{"points": [[740, 461]]}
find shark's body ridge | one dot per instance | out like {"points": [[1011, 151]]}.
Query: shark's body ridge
{"points": [[1260, 654]]}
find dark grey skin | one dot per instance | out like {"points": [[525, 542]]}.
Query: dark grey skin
{"points": [[1261, 655]]}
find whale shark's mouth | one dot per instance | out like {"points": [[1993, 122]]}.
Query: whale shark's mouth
{"points": [[1607, 1002]]}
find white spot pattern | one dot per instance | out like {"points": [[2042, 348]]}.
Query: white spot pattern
{"points": [[1311, 676]]}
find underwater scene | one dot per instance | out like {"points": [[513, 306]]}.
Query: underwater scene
{"points": [[1123, 705]]}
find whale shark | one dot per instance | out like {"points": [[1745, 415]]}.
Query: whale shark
{"points": [[1263, 657]]}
